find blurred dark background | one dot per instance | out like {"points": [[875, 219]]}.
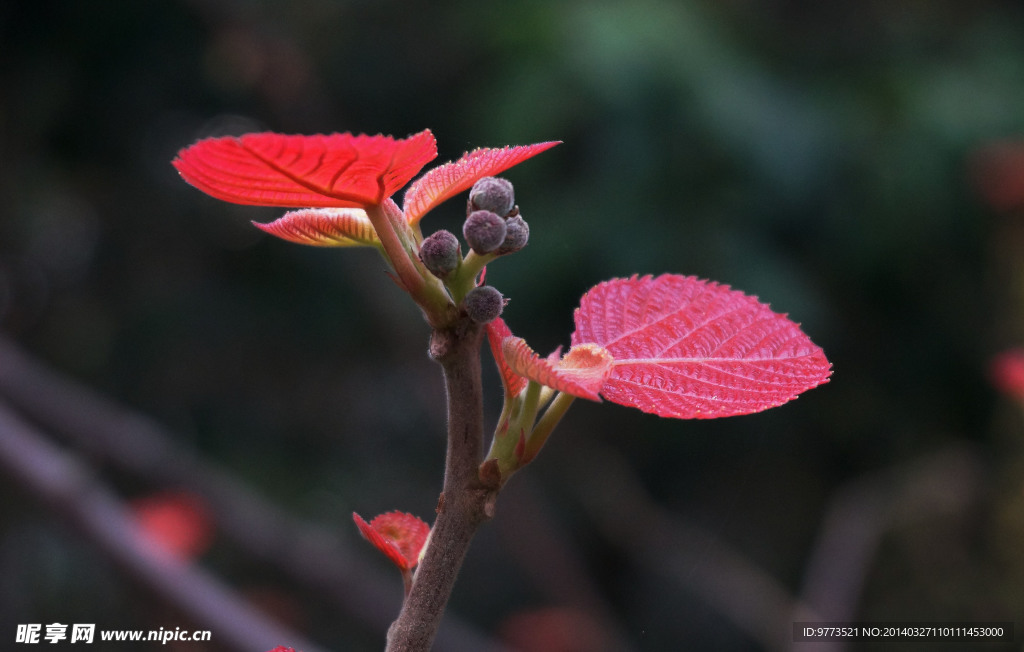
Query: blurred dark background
{"points": [[820, 156]]}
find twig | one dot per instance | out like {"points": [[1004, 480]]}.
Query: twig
{"points": [[66, 484], [465, 502]]}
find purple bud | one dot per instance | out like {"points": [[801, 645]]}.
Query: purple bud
{"points": [[483, 304], [492, 194], [484, 231], [441, 253], [517, 234]]}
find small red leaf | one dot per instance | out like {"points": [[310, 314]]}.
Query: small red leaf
{"points": [[688, 348], [582, 372], [446, 181], [324, 227], [340, 170], [398, 535], [513, 383]]}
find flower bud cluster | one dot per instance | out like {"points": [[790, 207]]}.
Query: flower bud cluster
{"points": [[493, 226], [491, 200]]}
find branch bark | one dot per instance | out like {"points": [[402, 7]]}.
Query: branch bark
{"points": [[466, 501]]}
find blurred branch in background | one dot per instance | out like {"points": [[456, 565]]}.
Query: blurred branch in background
{"points": [[311, 555], [69, 487], [665, 544], [547, 552], [861, 513]]}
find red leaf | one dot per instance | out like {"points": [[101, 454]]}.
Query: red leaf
{"points": [[446, 181], [582, 372], [324, 227], [398, 535], [340, 170], [688, 348], [497, 331]]}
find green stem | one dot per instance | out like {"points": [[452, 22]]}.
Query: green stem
{"points": [[552, 415], [500, 441], [531, 403], [399, 243], [515, 422], [464, 278]]}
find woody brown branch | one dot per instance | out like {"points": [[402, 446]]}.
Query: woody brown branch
{"points": [[466, 502]]}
